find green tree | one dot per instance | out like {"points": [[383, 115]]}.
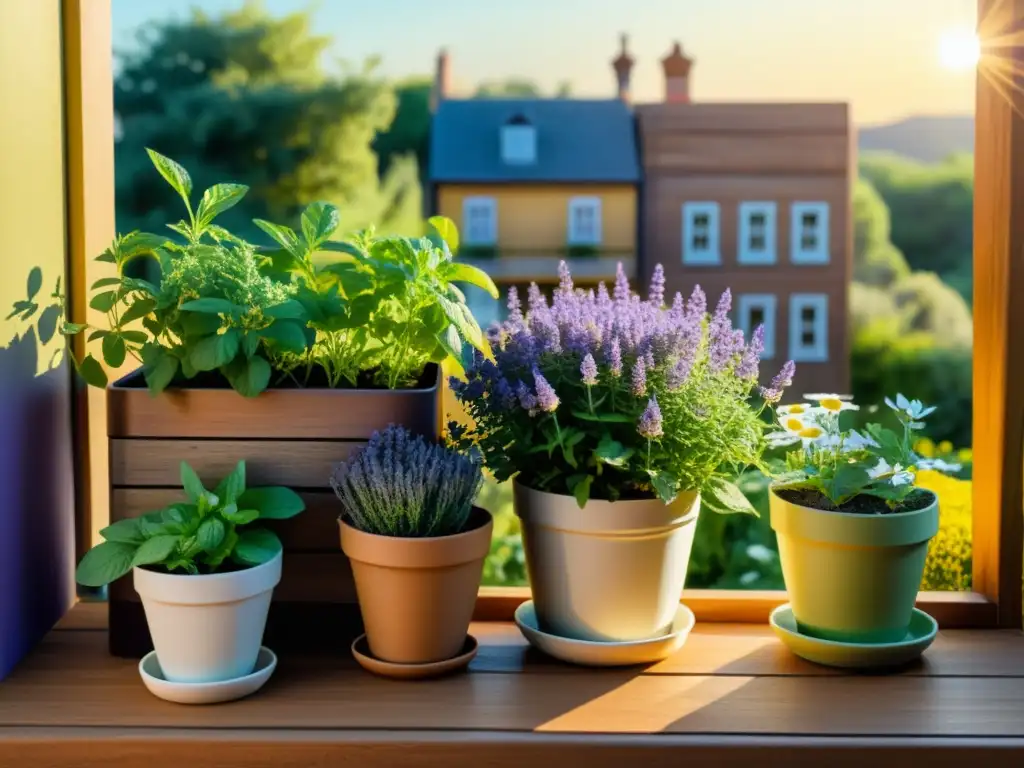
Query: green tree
{"points": [[932, 210], [409, 133], [518, 88], [876, 261], [244, 97]]}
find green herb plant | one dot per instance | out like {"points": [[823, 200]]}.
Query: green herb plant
{"points": [[196, 536], [376, 308]]}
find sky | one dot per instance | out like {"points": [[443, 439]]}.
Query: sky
{"points": [[882, 56]]}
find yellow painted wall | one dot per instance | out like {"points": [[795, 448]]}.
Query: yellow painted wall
{"points": [[31, 160], [536, 217]]}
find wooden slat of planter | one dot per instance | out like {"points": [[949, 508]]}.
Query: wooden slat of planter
{"points": [[296, 414], [315, 530], [306, 577], [292, 463]]}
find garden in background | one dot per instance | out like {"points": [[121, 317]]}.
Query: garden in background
{"points": [[246, 97]]}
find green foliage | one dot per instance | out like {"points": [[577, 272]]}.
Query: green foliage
{"points": [[246, 96], [876, 261], [932, 211], [843, 464], [195, 536]]}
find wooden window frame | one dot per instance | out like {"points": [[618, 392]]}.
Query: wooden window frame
{"points": [[998, 484]]}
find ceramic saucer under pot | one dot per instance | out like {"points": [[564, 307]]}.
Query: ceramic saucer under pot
{"points": [[207, 693], [920, 634], [369, 662], [605, 654]]}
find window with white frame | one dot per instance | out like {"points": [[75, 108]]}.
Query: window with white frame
{"points": [[479, 221], [585, 221], [754, 309], [809, 233], [518, 141], [808, 327], [700, 234], [486, 309], [756, 233]]}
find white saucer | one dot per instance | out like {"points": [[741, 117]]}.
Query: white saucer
{"points": [[206, 693], [831, 653], [614, 654]]}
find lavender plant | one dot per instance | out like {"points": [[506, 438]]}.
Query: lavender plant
{"points": [[401, 485], [609, 396]]}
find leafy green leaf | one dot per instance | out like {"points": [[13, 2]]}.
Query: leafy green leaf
{"points": [[104, 302], [159, 367], [190, 481], [135, 337], [448, 231], [725, 498], [467, 273], [273, 503], [249, 376], [200, 324], [462, 318], [286, 335], [173, 173], [92, 372], [105, 282], [99, 333], [155, 550], [240, 516], [104, 563], [848, 481], [256, 547], [113, 350], [213, 306], [319, 221], [609, 418], [218, 199], [284, 236], [210, 353], [70, 329], [665, 485], [580, 486], [286, 310], [214, 559], [47, 325], [231, 487], [35, 282], [139, 309], [612, 452], [210, 534], [126, 531]]}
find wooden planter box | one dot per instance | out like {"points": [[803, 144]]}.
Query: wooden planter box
{"points": [[290, 437]]}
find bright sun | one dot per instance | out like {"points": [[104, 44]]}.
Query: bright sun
{"points": [[959, 49]]}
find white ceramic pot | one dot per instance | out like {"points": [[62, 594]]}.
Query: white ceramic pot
{"points": [[207, 628], [612, 571]]}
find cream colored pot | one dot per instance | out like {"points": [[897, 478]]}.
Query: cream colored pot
{"points": [[612, 571]]}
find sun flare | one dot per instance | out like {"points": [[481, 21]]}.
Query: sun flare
{"points": [[959, 49]]}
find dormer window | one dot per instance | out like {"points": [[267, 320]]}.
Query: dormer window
{"points": [[518, 142]]}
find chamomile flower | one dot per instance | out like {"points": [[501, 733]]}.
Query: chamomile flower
{"points": [[882, 468], [912, 409], [797, 409], [834, 403]]}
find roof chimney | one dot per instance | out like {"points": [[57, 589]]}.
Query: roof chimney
{"points": [[677, 67], [442, 80], [623, 66]]}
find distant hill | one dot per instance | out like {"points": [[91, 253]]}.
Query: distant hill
{"points": [[925, 138]]}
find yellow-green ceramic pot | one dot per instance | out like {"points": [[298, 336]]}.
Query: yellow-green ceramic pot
{"points": [[852, 577]]}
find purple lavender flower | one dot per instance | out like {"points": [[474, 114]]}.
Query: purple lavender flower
{"points": [[748, 366], [615, 359], [784, 378], [588, 370], [649, 425], [680, 372], [639, 382], [621, 292], [505, 394], [515, 309], [656, 293], [526, 398], [697, 305], [721, 341], [547, 399], [564, 278], [474, 389]]}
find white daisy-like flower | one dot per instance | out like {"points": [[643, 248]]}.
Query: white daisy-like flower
{"points": [[902, 478], [939, 465], [834, 403], [882, 468], [827, 395], [913, 409], [797, 409]]}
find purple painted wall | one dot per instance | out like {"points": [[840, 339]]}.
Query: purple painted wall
{"points": [[37, 542]]}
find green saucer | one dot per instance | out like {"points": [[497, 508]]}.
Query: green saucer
{"points": [[920, 635]]}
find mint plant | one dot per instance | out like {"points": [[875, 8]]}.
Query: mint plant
{"points": [[196, 536], [835, 467]]}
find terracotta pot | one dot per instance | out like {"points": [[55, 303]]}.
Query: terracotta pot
{"points": [[417, 595], [851, 577], [208, 628], [612, 571]]}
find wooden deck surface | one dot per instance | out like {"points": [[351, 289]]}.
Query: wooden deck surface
{"points": [[733, 695]]}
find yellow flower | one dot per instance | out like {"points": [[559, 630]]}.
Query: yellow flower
{"points": [[793, 424], [794, 410], [925, 447], [835, 403], [945, 447], [964, 455], [811, 432]]}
